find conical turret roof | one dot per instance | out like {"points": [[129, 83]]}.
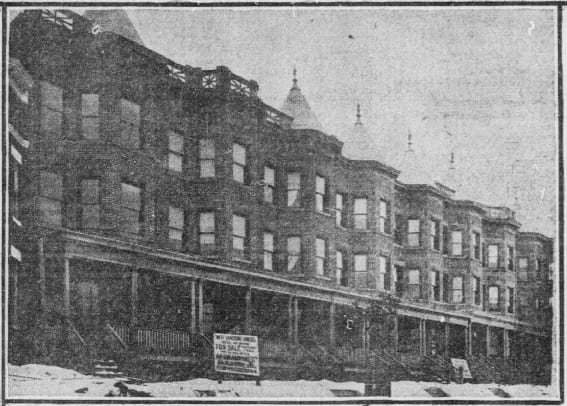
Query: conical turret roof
{"points": [[116, 21], [412, 169], [361, 144], [296, 106]]}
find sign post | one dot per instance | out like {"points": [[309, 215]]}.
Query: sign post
{"points": [[237, 354]]}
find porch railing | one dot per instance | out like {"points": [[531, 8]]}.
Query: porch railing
{"points": [[156, 339]]}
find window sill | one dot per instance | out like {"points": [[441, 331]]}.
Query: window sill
{"points": [[241, 260], [323, 213], [323, 277], [362, 231]]}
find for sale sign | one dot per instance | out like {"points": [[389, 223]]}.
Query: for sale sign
{"points": [[237, 354]]}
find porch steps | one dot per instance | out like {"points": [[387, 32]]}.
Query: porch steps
{"points": [[107, 369]]}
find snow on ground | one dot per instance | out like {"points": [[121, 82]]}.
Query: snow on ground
{"points": [[48, 381]]}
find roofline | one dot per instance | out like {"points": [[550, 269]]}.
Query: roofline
{"points": [[534, 235]]}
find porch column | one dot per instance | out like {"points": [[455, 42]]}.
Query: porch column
{"points": [[422, 336], [487, 341], [134, 309], [290, 320], [41, 255], [396, 334], [67, 288], [332, 338], [364, 336], [248, 310], [447, 332], [468, 339], [200, 304], [506, 343], [295, 320], [193, 309]]}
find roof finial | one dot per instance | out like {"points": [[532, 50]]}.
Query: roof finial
{"points": [[409, 142], [452, 165], [358, 120], [294, 75]]}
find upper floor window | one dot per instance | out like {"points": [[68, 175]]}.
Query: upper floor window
{"points": [[384, 222], [129, 124], [50, 198], [458, 289], [131, 207], [383, 279], [268, 251], [510, 258], [360, 263], [320, 193], [239, 163], [493, 298], [398, 280], [90, 204], [510, 300], [320, 255], [340, 210], [445, 240], [493, 256], [398, 232], [476, 245], [293, 189], [476, 290], [239, 235], [340, 269], [269, 184], [207, 157], [360, 213], [176, 220], [435, 285], [414, 284], [89, 116], [523, 268], [434, 236], [293, 254], [457, 243], [413, 233], [207, 231], [175, 155], [51, 115]]}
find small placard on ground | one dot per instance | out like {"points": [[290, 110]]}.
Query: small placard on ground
{"points": [[237, 354], [462, 363]]}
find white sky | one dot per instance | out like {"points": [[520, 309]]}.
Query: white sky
{"points": [[485, 75]]}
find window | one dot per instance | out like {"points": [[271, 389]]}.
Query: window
{"points": [[131, 207], [476, 290], [90, 204], [207, 232], [523, 268], [414, 284], [340, 270], [510, 300], [320, 193], [268, 251], [320, 256], [293, 189], [457, 289], [399, 277], [445, 240], [493, 293], [175, 155], [269, 184], [493, 256], [51, 115], [51, 198], [413, 233], [207, 157], [446, 288], [383, 277], [434, 237], [239, 163], [435, 285], [384, 217], [89, 116], [239, 233], [360, 271], [398, 232], [360, 213], [340, 207], [129, 124], [293, 254], [456, 243], [476, 245], [176, 221], [510, 258]]}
